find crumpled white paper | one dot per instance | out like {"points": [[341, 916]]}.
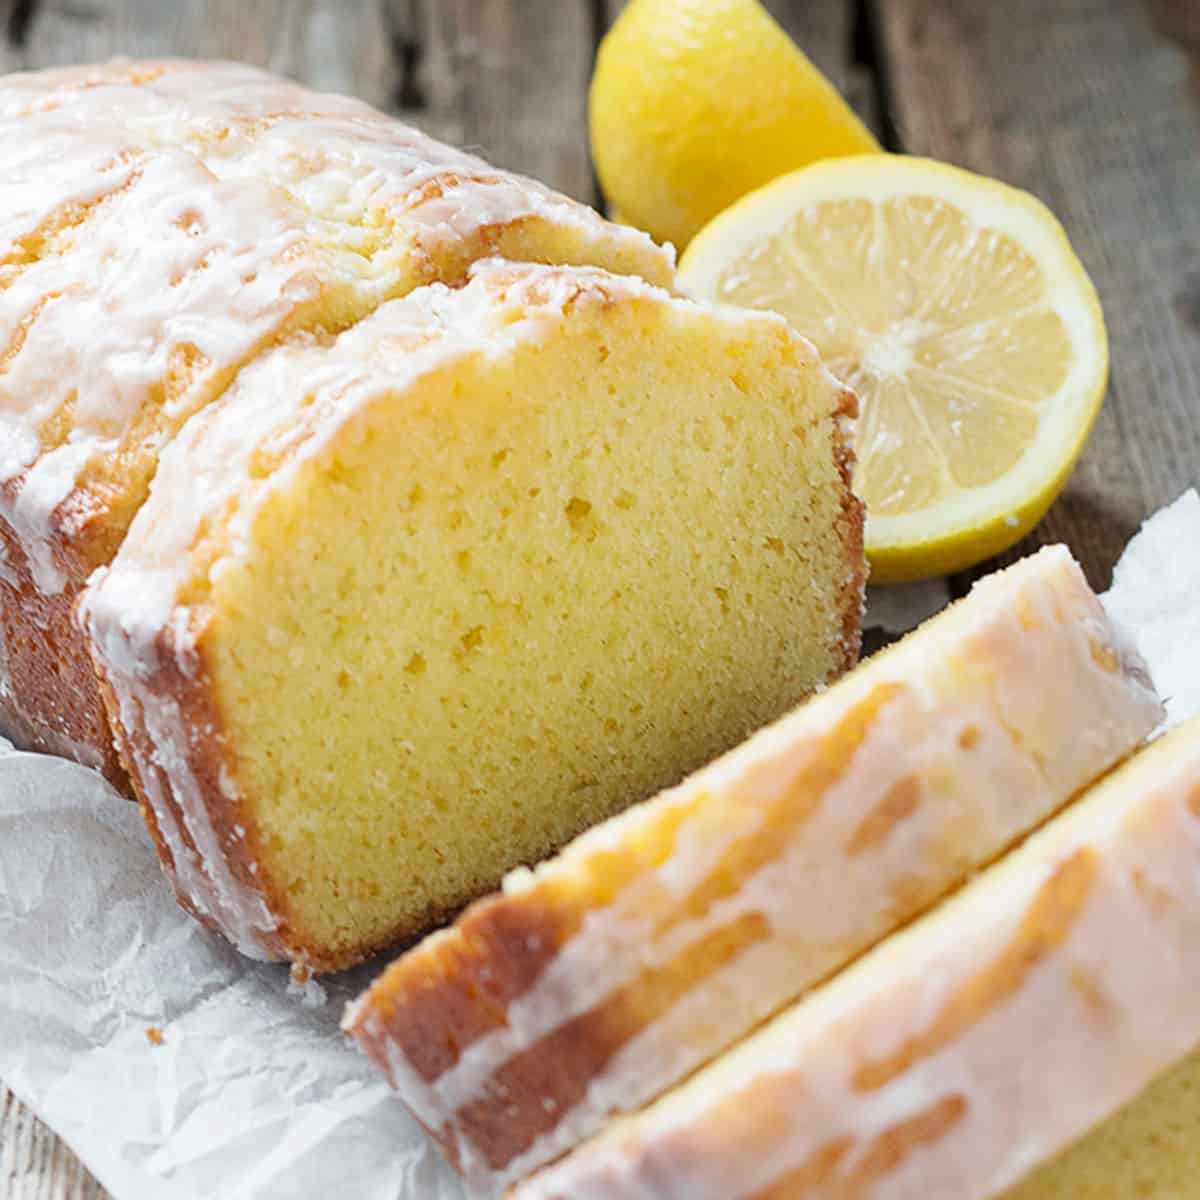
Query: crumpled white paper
{"points": [[253, 1094], [1156, 594]]}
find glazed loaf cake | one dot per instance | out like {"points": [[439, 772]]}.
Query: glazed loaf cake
{"points": [[654, 942], [161, 225], [965, 1051], [417, 602]]}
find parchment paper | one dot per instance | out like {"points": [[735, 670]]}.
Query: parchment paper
{"points": [[253, 1092]]}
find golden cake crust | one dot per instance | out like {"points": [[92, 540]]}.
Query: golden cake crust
{"points": [[852, 529], [204, 759]]}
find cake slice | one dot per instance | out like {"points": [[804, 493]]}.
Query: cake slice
{"points": [[654, 942], [966, 1050], [161, 224], [415, 604]]}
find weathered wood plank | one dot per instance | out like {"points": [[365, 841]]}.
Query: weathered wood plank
{"points": [[507, 79], [34, 1164], [1089, 105], [335, 46]]}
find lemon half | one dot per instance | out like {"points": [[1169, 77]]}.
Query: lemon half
{"points": [[956, 308]]}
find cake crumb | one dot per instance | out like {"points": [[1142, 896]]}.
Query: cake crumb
{"points": [[154, 1035], [301, 983]]}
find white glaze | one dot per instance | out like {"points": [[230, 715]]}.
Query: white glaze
{"points": [[1089, 1022], [1049, 719], [202, 875], [106, 334]]}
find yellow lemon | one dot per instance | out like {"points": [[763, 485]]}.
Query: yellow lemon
{"points": [[696, 102], [956, 308]]}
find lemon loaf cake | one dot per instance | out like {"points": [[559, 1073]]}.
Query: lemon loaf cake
{"points": [[965, 1050], [161, 224], [413, 605], [653, 942]]}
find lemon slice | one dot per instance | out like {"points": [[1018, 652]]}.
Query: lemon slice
{"points": [[694, 103], [957, 310]]}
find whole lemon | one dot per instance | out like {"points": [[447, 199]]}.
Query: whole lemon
{"points": [[694, 103]]}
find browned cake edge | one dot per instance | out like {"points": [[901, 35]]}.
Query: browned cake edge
{"points": [[49, 696], [205, 759], [852, 527]]}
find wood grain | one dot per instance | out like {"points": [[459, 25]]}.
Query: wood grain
{"points": [[506, 79], [1096, 110], [341, 46], [34, 1164]]}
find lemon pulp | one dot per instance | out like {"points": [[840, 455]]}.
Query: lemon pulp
{"points": [[955, 308]]}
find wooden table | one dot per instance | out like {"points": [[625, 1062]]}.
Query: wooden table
{"points": [[1092, 104]]}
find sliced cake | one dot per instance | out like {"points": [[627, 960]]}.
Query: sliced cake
{"points": [[966, 1050], [414, 604], [602, 978], [161, 224]]}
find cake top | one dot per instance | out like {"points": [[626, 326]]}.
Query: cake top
{"points": [[241, 121], [161, 222]]}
